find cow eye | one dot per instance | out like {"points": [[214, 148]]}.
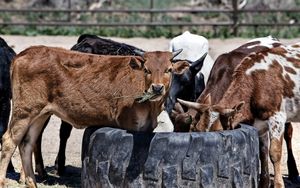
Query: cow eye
{"points": [[147, 71], [168, 70]]}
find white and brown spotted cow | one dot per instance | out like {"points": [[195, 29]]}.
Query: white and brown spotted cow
{"points": [[265, 91]]}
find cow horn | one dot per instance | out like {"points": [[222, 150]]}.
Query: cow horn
{"points": [[242, 4], [198, 64], [189, 104], [228, 112], [139, 52], [176, 53]]}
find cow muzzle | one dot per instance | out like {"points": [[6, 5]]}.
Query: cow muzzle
{"points": [[154, 93], [157, 89]]}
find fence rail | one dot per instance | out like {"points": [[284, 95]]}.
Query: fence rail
{"points": [[192, 10], [234, 14]]}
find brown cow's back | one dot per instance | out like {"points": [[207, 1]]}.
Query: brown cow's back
{"points": [[222, 72], [91, 87]]}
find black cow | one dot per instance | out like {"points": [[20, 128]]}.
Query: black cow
{"points": [[93, 44], [6, 56], [186, 85]]}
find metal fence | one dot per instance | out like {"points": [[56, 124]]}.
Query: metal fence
{"points": [[233, 14]]}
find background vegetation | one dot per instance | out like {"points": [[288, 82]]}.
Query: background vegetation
{"points": [[153, 31]]}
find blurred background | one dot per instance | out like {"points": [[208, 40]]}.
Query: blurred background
{"points": [[151, 18]]}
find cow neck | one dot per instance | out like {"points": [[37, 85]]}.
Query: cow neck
{"points": [[156, 107], [239, 90]]}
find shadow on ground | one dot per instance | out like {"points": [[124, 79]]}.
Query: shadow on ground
{"points": [[72, 178], [289, 184]]}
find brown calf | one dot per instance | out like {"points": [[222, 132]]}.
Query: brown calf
{"points": [[83, 90], [264, 91], [221, 76]]}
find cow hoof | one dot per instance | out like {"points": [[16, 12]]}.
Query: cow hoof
{"points": [[2, 183], [135, 159], [59, 171], [264, 180], [30, 183], [60, 167], [43, 175], [41, 172], [279, 185], [22, 177]]}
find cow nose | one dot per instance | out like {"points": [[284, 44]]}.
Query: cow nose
{"points": [[157, 88]]}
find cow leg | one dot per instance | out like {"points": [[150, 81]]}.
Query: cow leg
{"points": [[276, 128], [64, 134], [39, 163], [27, 175], [10, 140], [262, 128], [276, 154], [264, 158], [26, 149], [37, 150], [292, 167], [4, 117]]}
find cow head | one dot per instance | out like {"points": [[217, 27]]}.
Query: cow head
{"points": [[212, 117], [184, 82], [158, 68]]}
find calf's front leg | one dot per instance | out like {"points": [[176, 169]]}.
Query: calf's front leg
{"points": [[27, 145]]}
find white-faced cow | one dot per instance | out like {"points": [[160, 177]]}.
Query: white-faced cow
{"points": [[265, 92], [190, 84], [83, 90]]}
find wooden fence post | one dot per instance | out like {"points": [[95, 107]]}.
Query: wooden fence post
{"points": [[151, 7], [235, 17], [69, 7]]}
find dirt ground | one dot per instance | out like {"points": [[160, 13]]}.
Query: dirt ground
{"points": [[73, 154]]}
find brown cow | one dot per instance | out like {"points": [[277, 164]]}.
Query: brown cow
{"points": [[83, 90], [264, 91], [221, 75]]}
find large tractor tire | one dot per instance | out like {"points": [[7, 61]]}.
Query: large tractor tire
{"points": [[118, 158]]}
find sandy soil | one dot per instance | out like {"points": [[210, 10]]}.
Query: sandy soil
{"points": [[51, 134]]}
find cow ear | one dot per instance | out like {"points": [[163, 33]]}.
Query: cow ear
{"points": [[136, 63], [231, 111], [180, 67], [207, 99], [197, 65], [239, 106]]}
